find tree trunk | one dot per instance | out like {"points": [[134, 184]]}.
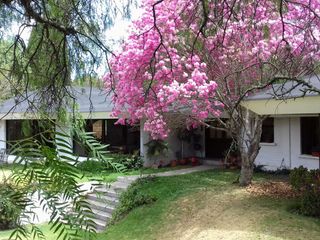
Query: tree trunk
{"points": [[246, 173], [249, 144]]}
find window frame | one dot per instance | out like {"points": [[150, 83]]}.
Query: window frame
{"points": [[272, 141]]}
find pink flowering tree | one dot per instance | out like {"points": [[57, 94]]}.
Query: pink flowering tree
{"points": [[199, 58]]}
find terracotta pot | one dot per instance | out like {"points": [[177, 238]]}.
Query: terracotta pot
{"points": [[194, 161], [183, 161], [173, 163]]}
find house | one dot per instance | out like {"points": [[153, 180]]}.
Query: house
{"points": [[289, 133], [96, 107], [93, 104], [292, 130]]}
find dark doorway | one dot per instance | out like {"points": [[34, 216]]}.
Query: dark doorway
{"points": [[310, 132], [217, 142]]}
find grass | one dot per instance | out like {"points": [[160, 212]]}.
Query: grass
{"points": [[111, 175], [85, 176], [206, 205]]}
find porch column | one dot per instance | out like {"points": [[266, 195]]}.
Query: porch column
{"points": [[3, 136], [144, 138]]}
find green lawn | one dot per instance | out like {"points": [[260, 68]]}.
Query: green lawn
{"points": [[111, 175], [207, 205], [105, 175]]}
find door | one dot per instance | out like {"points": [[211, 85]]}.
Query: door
{"points": [[217, 142]]}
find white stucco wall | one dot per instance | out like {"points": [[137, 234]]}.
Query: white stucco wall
{"points": [[286, 149], [2, 134], [174, 145], [272, 155], [3, 139]]}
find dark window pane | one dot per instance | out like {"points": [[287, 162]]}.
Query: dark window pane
{"points": [[91, 125], [267, 135], [309, 134], [18, 130], [121, 138]]}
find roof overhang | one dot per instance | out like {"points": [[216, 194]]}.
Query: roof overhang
{"points": [[85, 115], [292, 106]]}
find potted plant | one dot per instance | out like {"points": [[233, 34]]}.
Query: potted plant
{"points": [[173, 163], [156, 148]]}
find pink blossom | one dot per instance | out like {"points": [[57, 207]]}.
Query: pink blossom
{"points": [[156, 74]]}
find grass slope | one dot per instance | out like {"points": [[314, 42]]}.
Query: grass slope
{"points": [[207, 206]]}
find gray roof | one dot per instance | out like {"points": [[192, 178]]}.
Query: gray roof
{"points": [[290, 89], [89, 100]]}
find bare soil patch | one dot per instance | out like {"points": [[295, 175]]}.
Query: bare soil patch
{"points": [[273, 189]]}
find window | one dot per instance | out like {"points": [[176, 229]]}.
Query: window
{"points": [[119, 138], [267, 135], [94, 126], [310, 132], [21, 129]]}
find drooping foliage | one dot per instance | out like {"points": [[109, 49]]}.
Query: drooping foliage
{"points": [[66, 39], [50, 172], [199, 57], [50, 41]]}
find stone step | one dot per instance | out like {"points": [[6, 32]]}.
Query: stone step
{"points": [[102, 215], [100, 225], [103, 198], [117, 187], [109, 192], [127, 179], [120, 186], [101, 206]]}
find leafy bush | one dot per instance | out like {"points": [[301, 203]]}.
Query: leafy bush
{"points": [[128, 161], [132, 198], [310, 202], [133, 161], [307, 184], [156, 147], [299, 178], [12, 203], [91, 166]]}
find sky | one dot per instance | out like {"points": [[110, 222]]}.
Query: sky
{"points": [[116, 33], [113, 36]]}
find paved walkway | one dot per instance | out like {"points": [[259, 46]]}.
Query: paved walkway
{"points": [[172, 173]]}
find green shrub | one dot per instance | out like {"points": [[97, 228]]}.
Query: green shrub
{"points": [[299, 178], [307, 184], [310, 202], [133, 161], [128, 161], [131, 199], [12, 202], [91, 166]]}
